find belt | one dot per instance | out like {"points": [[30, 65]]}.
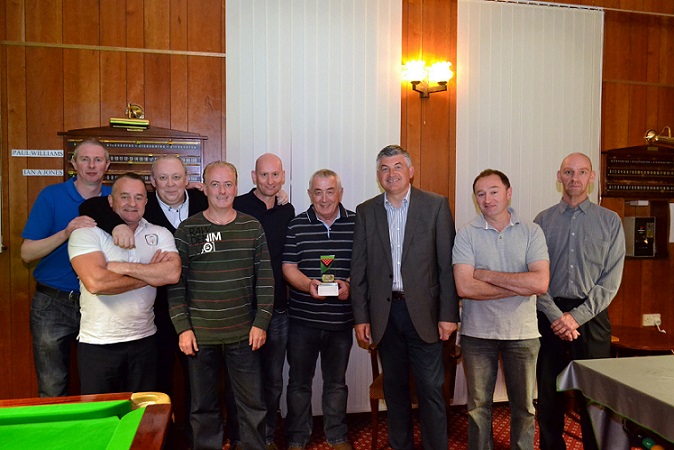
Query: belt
{"points": [[567, 304], [72, 296], [396, 295]]}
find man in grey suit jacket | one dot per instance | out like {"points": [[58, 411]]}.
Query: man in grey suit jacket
{"points": [[403, 294]]}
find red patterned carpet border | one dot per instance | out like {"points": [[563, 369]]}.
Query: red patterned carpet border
{"points": [[359, 431]]}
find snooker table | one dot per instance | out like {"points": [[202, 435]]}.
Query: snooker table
{"points": [[103, 421]]}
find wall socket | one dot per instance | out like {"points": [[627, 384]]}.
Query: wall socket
{"points": [[650, 320]]}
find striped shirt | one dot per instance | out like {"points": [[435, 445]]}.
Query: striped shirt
{"points": [[225, 269], [397, 220], [308, 239]]}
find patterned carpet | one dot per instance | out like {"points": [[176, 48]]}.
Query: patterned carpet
{"points": [[359, 431]]}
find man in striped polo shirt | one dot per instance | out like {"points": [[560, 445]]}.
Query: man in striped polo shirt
{"points": [[319, 243], [225, 269]]}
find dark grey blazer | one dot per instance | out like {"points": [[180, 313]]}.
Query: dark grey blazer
{"points": [[426, 265]]}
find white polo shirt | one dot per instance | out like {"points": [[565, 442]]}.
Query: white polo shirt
{"points": [[109, 319]]}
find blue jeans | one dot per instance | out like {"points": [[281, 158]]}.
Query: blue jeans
{"points": [[481, 360], [400, 349], [54, 323], [304, 346], [205, 371], [272, 358]]}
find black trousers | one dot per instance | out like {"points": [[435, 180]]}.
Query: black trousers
{"points": [[594, 342], [122, 367]]}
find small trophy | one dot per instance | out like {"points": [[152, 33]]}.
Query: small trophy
{"points": [[328, 287]]}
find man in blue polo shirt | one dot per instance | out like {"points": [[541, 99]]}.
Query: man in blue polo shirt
{"points": [[55, 311], [318, 244]]}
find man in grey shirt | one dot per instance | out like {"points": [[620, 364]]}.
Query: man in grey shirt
{"points": [[587, 251], [500, 265]]}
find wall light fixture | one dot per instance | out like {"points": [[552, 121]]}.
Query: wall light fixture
{"points": [[426, 80]]}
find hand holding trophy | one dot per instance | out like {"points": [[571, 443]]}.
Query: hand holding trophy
{"points": [[328, 286]]}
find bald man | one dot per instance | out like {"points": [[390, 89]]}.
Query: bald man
{"points": [[262, 203], [586, 243]]}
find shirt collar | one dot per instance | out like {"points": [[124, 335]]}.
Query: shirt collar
{"points": [[313, 218], [168, 207], [562, 206], [261, 203], [480, 222], [406, 199]]}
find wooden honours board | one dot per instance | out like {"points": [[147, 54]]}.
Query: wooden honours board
{"points": [[134, 151]]}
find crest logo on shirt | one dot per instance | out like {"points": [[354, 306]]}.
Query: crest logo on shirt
{"points": [[152, 239]]}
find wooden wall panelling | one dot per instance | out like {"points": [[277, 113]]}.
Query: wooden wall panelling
{"points": [[616, 46], [46, 90], [636, 97], [666, 50], [436, 138], [113, 79], [411, 106], [206, 103], [5, 280], [81, 68], [664, 105], [428, 125], [638, 105], [157, 66], [21, 380], [452, 44], [626, 306], [43, 21], [113, 64], [81, 89], [614, 115], [156, 24], [206, 97], [178, 64], [652, 101], [157, 88], [637, 52], [223, 83], [653, 61], [135, 62], [81, 22]]}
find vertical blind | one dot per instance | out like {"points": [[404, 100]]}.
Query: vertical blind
{"points": [[528, 94], [316, 82]]}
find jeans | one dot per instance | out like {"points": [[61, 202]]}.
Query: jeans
{"points": [[54, 323], [272, 358], [205, 370], [481, 361], [120, 367], [273, 355], [304, 346], [400, 349]]}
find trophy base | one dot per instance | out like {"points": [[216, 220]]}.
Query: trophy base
{"points": [[328, 289]]}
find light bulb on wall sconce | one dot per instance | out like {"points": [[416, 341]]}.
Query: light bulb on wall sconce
{"points": [[421, 76]]}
